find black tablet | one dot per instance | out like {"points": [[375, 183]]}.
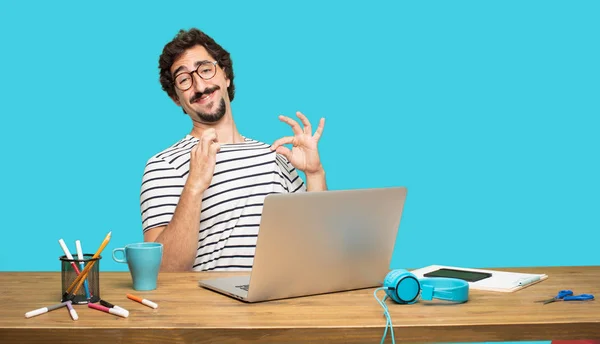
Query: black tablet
{"points": [[469, 276]]}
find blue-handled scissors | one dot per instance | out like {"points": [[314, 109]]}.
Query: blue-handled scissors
{"points": [[567, 295]]}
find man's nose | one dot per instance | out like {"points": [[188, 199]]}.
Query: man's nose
{"points": [[199, 84]]}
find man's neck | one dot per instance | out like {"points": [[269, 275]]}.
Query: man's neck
{"points": [[226, 130]]}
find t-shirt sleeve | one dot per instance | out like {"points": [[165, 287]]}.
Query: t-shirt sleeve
{"points": [[161, 188], [294, 182]]}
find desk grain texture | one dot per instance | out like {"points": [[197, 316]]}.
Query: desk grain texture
{"points": [[188, 313]]}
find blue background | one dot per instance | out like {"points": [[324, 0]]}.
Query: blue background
{"points": [[488, 111]]}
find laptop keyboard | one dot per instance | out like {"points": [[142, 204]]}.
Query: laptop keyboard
{"points": [[243, 286]]}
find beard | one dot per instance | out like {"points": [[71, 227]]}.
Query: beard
{"points": [[207, 117]]}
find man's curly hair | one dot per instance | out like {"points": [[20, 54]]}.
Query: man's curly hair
{"points": [[183, 41]]}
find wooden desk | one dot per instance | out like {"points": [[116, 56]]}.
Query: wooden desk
{"points": [[190, 314]]}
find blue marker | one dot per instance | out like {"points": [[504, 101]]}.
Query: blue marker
{"points": [[80, 257]]}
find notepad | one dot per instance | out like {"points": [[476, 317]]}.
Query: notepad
{"points": [[501, 281]]}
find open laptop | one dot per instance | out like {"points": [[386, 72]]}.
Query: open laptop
{"points": [[319, 242]]}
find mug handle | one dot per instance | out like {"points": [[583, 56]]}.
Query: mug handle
{"points": [[124, 260]]}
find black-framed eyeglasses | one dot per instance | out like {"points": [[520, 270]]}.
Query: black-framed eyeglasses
{"points": [[206, 70]]}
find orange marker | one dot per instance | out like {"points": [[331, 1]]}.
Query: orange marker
{"points": [[142, 301]]}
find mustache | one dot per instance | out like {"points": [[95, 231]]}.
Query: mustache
{"points": [[199, 95]]}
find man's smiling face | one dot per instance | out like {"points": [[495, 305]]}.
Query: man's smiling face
{"points": [[206, 101]]}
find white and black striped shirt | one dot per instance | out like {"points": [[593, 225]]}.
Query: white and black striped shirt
{"points": [[245, 173]]}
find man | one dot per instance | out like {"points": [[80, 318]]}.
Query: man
{"points": [[202, 197]]}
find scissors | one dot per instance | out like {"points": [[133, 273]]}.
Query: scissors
{"points": [[567, 295]]}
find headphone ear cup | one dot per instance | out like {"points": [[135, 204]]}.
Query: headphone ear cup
{"points": [[390, 282], [402, 286]]}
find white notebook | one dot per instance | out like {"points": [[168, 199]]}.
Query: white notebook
{"points": [[502, 281]]}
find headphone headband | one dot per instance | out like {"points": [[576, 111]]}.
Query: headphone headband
{"points": [[449, 289]]}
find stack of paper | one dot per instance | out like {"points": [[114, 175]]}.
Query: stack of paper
{"points": [[502, 281]]}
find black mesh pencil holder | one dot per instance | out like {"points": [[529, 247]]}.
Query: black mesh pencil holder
{"points": [[89, 291]]}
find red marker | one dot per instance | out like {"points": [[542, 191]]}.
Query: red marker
{"points": [[68, 255], [114, 311]]}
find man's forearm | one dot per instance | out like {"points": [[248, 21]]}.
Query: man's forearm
{"points": [[180, 237], [316, 181]]}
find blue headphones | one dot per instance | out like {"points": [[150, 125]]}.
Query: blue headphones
{"points": [[403, 287]]}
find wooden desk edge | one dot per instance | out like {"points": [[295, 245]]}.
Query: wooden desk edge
{"points": [[471, 333]]}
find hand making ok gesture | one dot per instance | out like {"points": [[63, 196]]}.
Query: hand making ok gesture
{"points": [[304, 154]]}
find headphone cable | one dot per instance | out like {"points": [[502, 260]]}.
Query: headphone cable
{"points": [[386, 312]]}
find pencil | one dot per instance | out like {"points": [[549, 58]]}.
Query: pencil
{"points": [[83, 275], [87, 269]]}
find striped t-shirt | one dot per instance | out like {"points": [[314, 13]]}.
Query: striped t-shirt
{"points": [[245, 173]]}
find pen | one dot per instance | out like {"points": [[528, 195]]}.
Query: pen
{"points": [[142, 301], [114, 311], [527, 281], [68, 254], [74, 315], [80, 257], [44, 310]]}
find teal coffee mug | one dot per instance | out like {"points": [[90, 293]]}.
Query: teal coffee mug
{"points": [[144, 261]]}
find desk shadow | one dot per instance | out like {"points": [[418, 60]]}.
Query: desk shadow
{"points": [[437, 304], [126, 285]]}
